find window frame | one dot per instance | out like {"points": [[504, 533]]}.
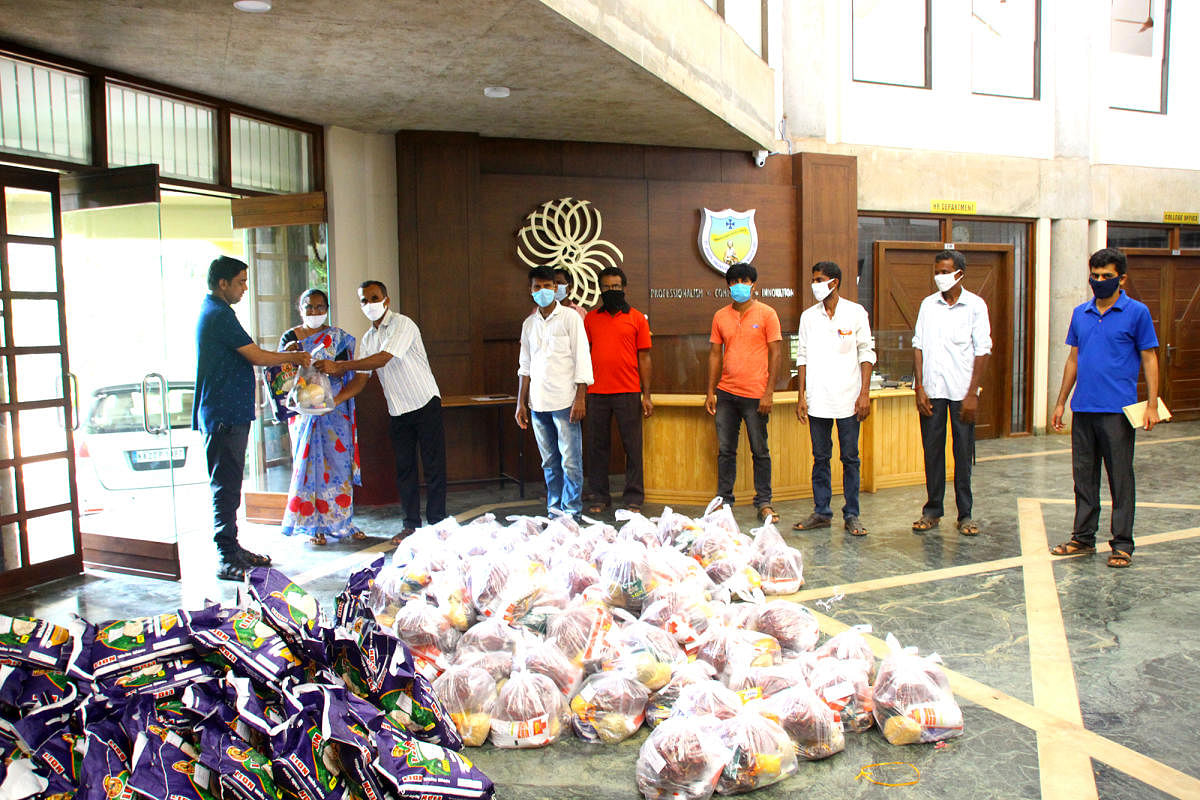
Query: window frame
{"points": [[98, 81], [1166, 61], [928, 85], [1037, 61]]}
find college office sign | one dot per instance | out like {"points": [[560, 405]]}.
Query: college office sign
{"points": [[565, 234]]}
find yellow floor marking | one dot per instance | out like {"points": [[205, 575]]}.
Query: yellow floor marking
{"points": [[1060, 451], [909, 579], [1070, 501]]}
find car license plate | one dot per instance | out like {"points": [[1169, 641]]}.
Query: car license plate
{"points": [[159, 454]]}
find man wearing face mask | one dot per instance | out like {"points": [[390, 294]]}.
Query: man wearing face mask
{"points": [[834, 356], [619, 336], [951, 342], [563, 284], [392, 348], [554, 372], [1110, 337], [743, 362]]}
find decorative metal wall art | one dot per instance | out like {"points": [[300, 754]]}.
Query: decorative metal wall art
{"points": [[565, 234]]}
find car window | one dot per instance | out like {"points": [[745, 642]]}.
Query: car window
{"points": [[121, 411]]}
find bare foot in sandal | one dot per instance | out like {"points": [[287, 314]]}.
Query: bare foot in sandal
{"points": [[1072, 548], [967, 527], [319, 540], [926, 524]]}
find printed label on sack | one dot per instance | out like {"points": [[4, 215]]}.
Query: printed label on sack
{"points": [[942, 716], [600, 627], [838, 693], [654, 759], [523, 733]]}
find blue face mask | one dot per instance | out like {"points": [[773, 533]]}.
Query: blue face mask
{"points": [[740, 292], [543, 297], [560, 292]]}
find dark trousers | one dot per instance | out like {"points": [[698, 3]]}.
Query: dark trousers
{"points": [[421, 429], [627, 408], [821, 432], [732, 411], [1097, 437], [933, 439], [225, 450]]}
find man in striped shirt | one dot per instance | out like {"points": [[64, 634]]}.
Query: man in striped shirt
{"points": [[392, 348]]}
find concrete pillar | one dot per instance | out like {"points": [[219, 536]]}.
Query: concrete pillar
{"points": [[1068, 288], [1042, 382], [360, 186]]}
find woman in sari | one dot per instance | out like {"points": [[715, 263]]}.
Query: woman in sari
{"points": [[324, 446]]}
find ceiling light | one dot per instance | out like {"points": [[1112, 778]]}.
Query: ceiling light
{"points": [[496, 91], [252, 6]]}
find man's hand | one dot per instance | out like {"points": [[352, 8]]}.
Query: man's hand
{"points": [[522, 416], [1151, 416], [332, 368], [969, 408], [578, 409], [291, 347], [802, 409], [710, 404], [1056, 421], [301, 359], [862, 406], [765, 403], [923, 405], [647, 405]]}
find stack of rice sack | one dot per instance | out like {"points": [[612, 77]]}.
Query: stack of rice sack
{"points": [[532, 629], [258, 702]]}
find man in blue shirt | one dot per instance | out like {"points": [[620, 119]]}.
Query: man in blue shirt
{"points": [[224, 404], [1110, 337]]}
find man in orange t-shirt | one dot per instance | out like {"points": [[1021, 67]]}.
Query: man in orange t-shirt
{"points": [[620, 344], [742, 365]]}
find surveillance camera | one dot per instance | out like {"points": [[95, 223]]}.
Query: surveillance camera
{"points": [[760, 158]]}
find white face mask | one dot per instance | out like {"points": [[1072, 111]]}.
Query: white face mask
{"points": [[375, 311], [946, 281], [560, 292], [822, 289], [314, 321]]}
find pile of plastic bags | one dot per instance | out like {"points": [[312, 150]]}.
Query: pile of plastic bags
{"points": [[255, 702], [532, 629]]}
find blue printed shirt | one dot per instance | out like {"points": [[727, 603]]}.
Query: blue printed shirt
{"points": [[224, 379], [1110, 353]]}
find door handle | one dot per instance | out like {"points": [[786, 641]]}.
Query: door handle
{"points": [[74, 381], [1170, 350], [162, 384]]}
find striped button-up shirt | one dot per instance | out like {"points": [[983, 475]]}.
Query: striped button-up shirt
{"points": [[950, 337], [407, 381]]}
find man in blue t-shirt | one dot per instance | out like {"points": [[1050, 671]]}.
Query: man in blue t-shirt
{"points": [[224, 404], [1111, 337]]}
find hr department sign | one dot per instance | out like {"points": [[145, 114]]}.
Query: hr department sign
{"points": [[727, 237]]}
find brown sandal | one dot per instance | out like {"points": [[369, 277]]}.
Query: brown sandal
{"points": [[926, 524], [967, 527], [1120, 559], [1072, 548], [597, 508], [319, 540], [402, 535], [767, 514]]}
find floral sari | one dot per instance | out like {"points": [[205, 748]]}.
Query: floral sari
{"points": [[324, 453]]}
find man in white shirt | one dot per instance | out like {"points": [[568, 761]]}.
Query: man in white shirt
{"points": [[555, 370], [393, 349], [951, 343], [834, 357]]}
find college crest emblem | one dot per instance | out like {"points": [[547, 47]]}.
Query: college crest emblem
{"points": [[727, 237]]}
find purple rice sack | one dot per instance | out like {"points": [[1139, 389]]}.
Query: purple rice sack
{"points": [[306, 763], [166, 769], [291, 610], [423, 771], [242, 772], [243, 640], [33, 641]]}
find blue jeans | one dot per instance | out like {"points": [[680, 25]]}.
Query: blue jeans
{"points": [[560, 442], [732, 411], [821, 431]]}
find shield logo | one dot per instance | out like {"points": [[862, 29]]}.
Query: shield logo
{"points": [[727, 237]]}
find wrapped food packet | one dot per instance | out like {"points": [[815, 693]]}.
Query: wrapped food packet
{"points": [[424, 771], [60, 762], [683, 615], [429, 635], [732, 650], [161, 677], [105, 771], [735, 576], [609, 708], [33, 641], [812, 725], [120, 646], [493, 635], [353, 601], [415, 709], [637, 528], [547, 659], [311, 392], [851, 645], [913, 699], [662, 702], [756, 683], [468, 695], [682, 759], [502, 588], [707, 698], [781, 569], [241, 771], [761, 754], [530, 711], [793, 626], [844, 686], [350, 722], [672, 525], [583, 633], [305, 762], [449, 591], [574, 574], [166, 769], [243, 640], [24, 688], [42, 722], [647, 653], [498, 664], [289, 609], [719, 516], [625, 575]]}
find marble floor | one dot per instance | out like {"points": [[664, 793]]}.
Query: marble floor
{"points": [[1076, 681]]}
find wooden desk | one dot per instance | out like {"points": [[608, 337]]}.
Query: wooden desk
{"points": [[498, 402], [680, 450]]}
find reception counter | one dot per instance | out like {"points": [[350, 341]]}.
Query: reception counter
{"points": [[680, 450]]}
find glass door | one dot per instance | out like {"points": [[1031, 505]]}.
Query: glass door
{"points": [[39, 520]]}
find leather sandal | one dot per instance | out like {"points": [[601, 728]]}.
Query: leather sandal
{"points": [[254, 559], [855, 527], [813, 522], [967, 527], [767, 514], [402, 535], [1120, 559], [926, 524], [597, 508], [319, 540], [1073, 548]]}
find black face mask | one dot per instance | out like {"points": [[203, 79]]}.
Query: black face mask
{"points": [[613, 299], [1104, 289]]}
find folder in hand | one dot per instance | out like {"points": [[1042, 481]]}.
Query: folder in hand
{"points": [[1136, 413]]}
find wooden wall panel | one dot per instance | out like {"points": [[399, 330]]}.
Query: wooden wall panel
{"points": [[675, 214], [828, 188], [603, 160], [520, 157], [374, 447], [683, 164]]}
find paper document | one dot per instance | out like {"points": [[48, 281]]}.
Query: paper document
{"points": [[1136, 413]]}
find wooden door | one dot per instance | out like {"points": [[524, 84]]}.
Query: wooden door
{"points": [[904, 277], [1169, 285]]}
